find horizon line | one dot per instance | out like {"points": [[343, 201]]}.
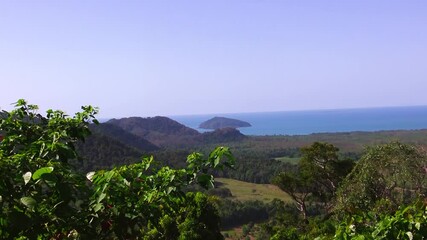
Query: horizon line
{"points": [[273, 111]]}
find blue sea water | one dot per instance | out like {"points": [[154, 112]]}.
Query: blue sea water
{"points": [[321, 121]]}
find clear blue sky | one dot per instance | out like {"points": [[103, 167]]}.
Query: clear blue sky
{"points": [[146, 58]]}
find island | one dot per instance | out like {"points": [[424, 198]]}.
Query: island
{"points": [[222, 122]]}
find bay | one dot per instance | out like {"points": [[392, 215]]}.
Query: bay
{"points": [[321, 121]]}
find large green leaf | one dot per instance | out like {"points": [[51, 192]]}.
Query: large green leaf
{"points": [[29, 202], [37, 174]]}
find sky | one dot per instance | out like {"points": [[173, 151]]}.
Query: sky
{"points": [[148, 58]]}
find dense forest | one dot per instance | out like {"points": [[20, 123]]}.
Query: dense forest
{"points": [[74, 178]]}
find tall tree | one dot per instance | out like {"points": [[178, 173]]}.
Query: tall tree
{"points": [[319, 173], [320, 164], [298, 187]]}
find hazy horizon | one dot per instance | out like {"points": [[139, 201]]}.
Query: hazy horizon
{"points": [[220, 114], [301, 110], [169, 58]]}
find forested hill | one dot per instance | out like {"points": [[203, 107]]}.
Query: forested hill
{"points": [[123, 136], [145, 126], [99, 151], [110, 146], [122, 141], [167, 133], [161, 131]]}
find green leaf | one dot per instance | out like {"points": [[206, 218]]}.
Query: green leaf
{"points": [[206, 181], [126, 182], [27, 177], [170, 189], [29, 202], [37, 174], [101, 197], [152, 196], [109, 175], [146, 162], [98, 207], [418, 225], [216, 161], [20, 102], [42, 147], [410, 236]]}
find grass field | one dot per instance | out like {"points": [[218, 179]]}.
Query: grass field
{"points": [[244, 191]]}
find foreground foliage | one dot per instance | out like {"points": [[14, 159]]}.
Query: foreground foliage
{"points": [[42, 196], [408, 222], [383, 197]]}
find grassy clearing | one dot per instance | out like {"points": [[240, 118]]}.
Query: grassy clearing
{"points": [[244, 191]]}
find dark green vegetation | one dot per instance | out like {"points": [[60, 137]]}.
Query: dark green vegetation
{"points": [[55, 185], [222, 122], [43, 197], [161, 131], [317, 178], [368, 201]]}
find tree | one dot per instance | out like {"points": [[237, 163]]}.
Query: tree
{"points": [[298, 187], [40, 194], [320, 165], [392, 174], [319, 173], [43, 197]]}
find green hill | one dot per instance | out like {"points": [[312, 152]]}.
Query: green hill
{"points": [[123, 136], [161, 131]]}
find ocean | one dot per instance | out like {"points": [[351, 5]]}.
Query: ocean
{"points": [[321, 121]]}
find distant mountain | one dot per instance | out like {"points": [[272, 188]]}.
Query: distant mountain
{"points": [[123, 136], [161, 131], [222, 122], [223, 135]]}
